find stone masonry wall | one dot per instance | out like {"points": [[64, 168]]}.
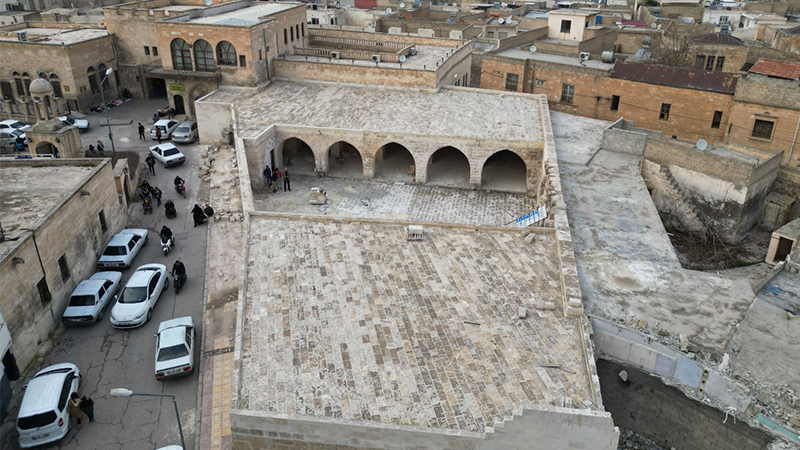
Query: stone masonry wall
{"points": [[664, 414], [668, 153], [742, 119]]}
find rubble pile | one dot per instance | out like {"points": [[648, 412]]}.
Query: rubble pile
{"points": [[222, 173], [628, 440]]}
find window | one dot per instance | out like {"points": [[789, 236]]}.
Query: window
{"points": [[664, 113], [260, 57], [615, 102], [314, 21], [92, 80], [155, 52], [65, 391], [285, 36], [204, 56], [181, 55], [56, 86], [146, 50], [511, 81], [762, 129], [42, 75], [44, 292], [699, 62], [303, 29], [18, 85], [720, 63], [103, 224], [297, 31], [566, 26], [26, 80], [717, 119], [723, 19], [226, 54], [242, 61], [710, 63], [62, 265], [567, 93], [154, 283], [5, 87], [291, 33]]}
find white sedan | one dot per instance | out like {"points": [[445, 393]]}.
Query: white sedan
{"points": [[89, 300], [175, 348], [136, 302], [167, 126], [81, 124], [122, 248], [167, 154]]}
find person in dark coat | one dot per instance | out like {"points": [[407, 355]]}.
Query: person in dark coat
{"points": [[208, 211], [198, 215]]}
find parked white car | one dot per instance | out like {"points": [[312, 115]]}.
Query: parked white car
{"points": [[43, 416], [167, 126], [175, 348], [8, 138], [123, 247], [81, 124], [167, 154], [89, 300], [14, 125], [136, 301], [186, 133]]}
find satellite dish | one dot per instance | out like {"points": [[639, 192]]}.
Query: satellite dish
{"points": [[208, 2], [102, 24], [508, 19], [653, 25], [402, 5], [402, 58], [533, 49], [501, 21], [373, 24], [388, 10], [702, 144]]}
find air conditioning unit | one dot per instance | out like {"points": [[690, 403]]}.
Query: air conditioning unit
{"points": [[22, 35], [336, 55], [376, 58], [585, 56], [412, 51]]}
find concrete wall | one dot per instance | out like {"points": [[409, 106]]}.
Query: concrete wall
{"points": [[545, 428], [664, 414], [71, 229], [213, 118], [617, 139]]}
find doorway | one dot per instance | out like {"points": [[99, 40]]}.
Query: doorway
{"points": [[179, 108], [158, 87]]}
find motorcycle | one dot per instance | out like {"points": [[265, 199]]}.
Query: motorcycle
{"points": [[166, 245], [181, 189], [178, 283], [147, 206]]}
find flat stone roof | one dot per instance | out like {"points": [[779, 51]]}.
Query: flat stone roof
{"points": [[29, 193], [426, 58], [245, 17], [55, 36], [518, 53], [352, 321], [460, 112]]}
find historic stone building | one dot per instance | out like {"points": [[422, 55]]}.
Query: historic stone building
{"points": [[73, 58], [718, 52], [58, 214]]}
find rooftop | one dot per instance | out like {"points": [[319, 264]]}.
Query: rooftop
{"points": [[352, 321], [572, 12], [776, 68], [29, 193], [719, 39], [245, 17], [518, 53], [675, 77], [426, 59], [448, 112], [55, 36]]}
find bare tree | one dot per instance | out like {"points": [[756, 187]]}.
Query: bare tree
{"points": [[674, 47]]}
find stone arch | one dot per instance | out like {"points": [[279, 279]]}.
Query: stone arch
{"points": [[226, 54], [181, 54], [506, 171], [44, 148], [298, 154], [394, 162], [448, 166], [344, 160], [204, 56]]}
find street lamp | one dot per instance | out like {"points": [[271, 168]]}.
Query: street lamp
{"points": [[109, 71], [122, 392]]}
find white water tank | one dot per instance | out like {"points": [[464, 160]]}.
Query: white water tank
{"points": [[607, 57]]}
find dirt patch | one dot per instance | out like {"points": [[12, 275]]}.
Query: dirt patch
{"points": [[708, 252]]}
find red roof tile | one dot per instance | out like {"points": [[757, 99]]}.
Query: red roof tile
{"points": [[776, 68]]}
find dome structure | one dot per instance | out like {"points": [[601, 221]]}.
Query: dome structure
{"points": [[40, 86]]}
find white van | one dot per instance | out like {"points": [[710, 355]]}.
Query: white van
{"points": [[43, 416]]}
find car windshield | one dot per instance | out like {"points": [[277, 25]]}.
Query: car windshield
{"points": [[36, 421], [17, 133], [182, 129], [170, 152], [133, 295], [69, 120], [116, 250], [16, 125], [173, 352], [81, 300]]}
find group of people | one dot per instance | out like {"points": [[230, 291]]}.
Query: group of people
{"points": [[145, 191], [274, 178], [199, 215], [100, 149]]}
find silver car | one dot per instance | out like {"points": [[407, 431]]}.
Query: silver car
{"points": [[186, 133]]}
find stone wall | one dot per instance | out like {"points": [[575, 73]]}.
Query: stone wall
{"points": [[742, 120], [215, 117], [664, 414], [735, 55], [439, 42], [618, 139], [71, 229], [602, 41], [630, 39]]}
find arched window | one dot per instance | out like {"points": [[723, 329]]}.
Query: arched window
{"points": [[26, 80], [56, 82], [92, 80], [291, 33], [181, 55], [204, 56], [18, 83], [297, 31], [226, 54], [285, 36], [42, 75]]}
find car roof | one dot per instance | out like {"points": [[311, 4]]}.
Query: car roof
{"points": [[10, 121], [43, 391], [188, 123], [164, 122], [124, 236], [89, 287], [142, 275], [164, 146], [179, 322]]}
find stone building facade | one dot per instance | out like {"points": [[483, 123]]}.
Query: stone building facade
{"points": [[718, 52], [67, 211], [73, 58]]}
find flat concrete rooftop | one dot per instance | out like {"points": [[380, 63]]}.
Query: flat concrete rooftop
{"points": [[352, 321], [465, 113], [28, 194], [426, 58], [55, 36], [518, 53], [245, 17]]}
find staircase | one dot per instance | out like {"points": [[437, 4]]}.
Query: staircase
{"points": [[679, 202]]}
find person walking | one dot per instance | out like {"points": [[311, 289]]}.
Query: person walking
{"points": [[151, 163], [158, 134], [268, 174], [157, 195], [276, 177], [74, 408], [198, 215], [286, 185], [87, 406], [100, 147], [141, 131]]}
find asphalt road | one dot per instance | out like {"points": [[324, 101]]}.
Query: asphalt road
{"points": [[110, 358]]}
